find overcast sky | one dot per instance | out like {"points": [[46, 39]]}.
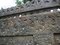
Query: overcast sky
{"points": [[7, 3]]}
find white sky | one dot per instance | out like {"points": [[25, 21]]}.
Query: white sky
{"points": [[7, 3]]}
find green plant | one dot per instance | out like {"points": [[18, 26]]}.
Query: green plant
{"points": [[20, 2]]}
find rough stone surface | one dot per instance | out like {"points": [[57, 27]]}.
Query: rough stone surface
{"points": [[16, 40], [36, 29], [31, 5]]}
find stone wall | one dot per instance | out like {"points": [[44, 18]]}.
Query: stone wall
{"points": [[36, 29], [29, 6]]}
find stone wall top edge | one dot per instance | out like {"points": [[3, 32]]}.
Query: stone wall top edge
{"points": [[29, 7]]}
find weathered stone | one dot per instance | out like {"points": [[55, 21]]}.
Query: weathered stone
{"points": [[29, 6], [42, 29], [39, 27]]}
